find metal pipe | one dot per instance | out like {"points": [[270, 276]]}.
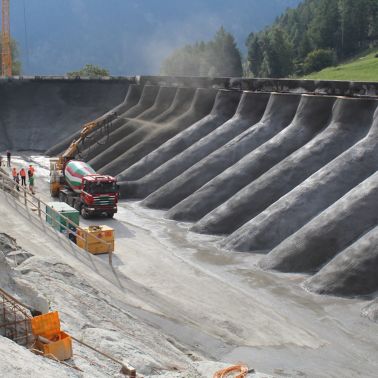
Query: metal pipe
{"points": [[125, 369]]}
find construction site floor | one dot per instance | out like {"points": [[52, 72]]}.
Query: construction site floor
{"points": [[210, 304]]}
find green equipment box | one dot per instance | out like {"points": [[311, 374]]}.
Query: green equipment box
{"points": [[55, 217]]}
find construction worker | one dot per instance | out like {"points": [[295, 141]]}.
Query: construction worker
{"points": [[30, 173], [31, 170], [23, 176], [31, 184], [8, 158], [17, 180], [14, 173]]}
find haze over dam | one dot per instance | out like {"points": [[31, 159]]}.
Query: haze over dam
{"points": [[285, 169]]}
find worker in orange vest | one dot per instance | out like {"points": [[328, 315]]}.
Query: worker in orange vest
{"points": [[14, 173], [23, 177]]}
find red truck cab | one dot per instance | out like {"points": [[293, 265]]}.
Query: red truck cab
{"points": [[99, 194]]}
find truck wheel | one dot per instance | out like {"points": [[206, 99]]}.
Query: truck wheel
{"points": [[110, 215], [84, 213], [77, 205]]}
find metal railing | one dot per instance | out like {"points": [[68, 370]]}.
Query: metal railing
{"points": [[38, 207]]}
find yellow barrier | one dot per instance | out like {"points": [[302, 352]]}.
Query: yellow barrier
{"points": [[89, 239]]}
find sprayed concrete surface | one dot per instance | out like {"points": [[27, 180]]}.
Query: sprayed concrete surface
{"points": [[37, 113], [209, 303], [289, 178], [236, 163]]}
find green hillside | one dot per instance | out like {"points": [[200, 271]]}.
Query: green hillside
{"points": [[361, 69]]}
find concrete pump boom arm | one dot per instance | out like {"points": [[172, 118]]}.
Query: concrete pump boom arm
{"points": [[87, 129]]}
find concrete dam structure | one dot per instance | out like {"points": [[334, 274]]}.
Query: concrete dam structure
{"points": [[282, 168]]}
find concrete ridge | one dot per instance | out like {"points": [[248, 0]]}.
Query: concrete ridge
{"points": [[319, 87]]}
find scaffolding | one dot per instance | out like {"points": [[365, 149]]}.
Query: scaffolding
{"points": [[15, 320]]}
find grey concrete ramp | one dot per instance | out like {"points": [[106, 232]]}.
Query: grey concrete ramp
{"points": [[314, 195], [36, 114], [101, 142], [312, 115], [352, 272], [150, 137], [162, 102], [181, 104], [250, 110], [182, 101], [100, 136], [134, 135], [131, 99], [224, 108], [351, 120], [329, 233], [177, 144], [278, 114]]}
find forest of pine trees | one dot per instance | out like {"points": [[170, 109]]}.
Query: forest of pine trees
{"points": [[315, 35]]}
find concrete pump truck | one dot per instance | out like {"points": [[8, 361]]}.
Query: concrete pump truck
{"points": [[77, 184]]}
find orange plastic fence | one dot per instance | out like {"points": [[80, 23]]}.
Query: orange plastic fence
{"points": [[240, 370]]}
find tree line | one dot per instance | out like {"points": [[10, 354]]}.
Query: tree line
{"points": [[218, 57], [316, 34]]}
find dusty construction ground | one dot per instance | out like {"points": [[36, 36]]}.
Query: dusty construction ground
{"points": [[174, 298]]}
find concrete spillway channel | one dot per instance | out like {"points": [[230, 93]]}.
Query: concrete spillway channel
{"points": [[325, 142], [352, 272], [177, 102], [290, 176], [209, 132], [278, 114], [311, 116], [129, 122], [150, 137], [330, 232], [308, 199], [130, 102]]}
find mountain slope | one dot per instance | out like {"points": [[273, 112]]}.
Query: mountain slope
{"points": [[126, 36], [360, 69]]}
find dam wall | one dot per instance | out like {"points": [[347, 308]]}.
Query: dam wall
{"points": [[284, 169]]}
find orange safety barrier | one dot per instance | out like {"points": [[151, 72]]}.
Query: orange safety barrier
{"points": [[241, 370], [50, 339]]}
